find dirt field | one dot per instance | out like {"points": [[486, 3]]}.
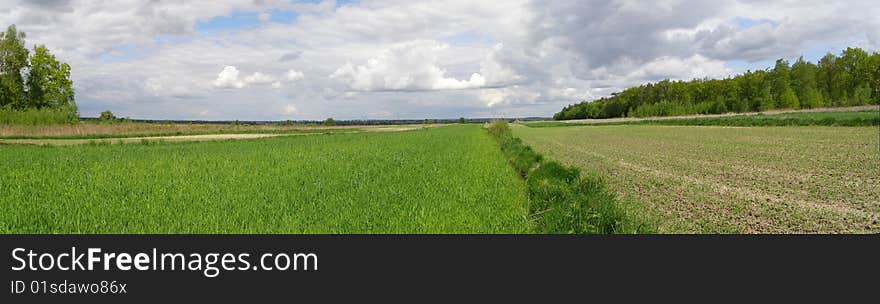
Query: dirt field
{"points": [[732, 179]]}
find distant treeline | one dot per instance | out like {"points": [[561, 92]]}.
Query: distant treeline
{"points": [[34, 88], [851, 79]]}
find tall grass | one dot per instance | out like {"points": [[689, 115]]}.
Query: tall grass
{"points": [[33, 117], [561, 199]]}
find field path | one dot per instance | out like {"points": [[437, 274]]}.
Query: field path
{"points": [[203, 137], [200, 137]]}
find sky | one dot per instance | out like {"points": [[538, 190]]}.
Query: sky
{"points": [[310, 60]]}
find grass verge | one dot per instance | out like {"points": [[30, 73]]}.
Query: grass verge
{"points": [[561, 199]]}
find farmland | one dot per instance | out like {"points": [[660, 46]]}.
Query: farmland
{"points": [[436, 180], [698, 179]]}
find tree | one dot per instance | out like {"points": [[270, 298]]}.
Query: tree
{"points": [[329, 122], [853, 78], [803, 82], [107, 116], [860, 67], [780, 86], [49, 82], [875, 62], [461, 120], [13, 59]]}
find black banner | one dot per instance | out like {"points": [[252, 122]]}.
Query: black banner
{"points": [[129, 268]]}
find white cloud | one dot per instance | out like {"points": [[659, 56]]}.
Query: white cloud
{"points": [[491, 97], [264, 16], [406, 66], [259, 78], [294, 75], [513, 95], [228, 79], [289, 109]]}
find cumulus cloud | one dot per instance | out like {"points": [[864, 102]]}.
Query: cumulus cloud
{"points": [[259, 78], [228, 79], [513, 95], [406, 66], [294, 75]]}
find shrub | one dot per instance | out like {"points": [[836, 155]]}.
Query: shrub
{"points": [[43, 116], [107, 117]]}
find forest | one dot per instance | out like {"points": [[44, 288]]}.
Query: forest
{"points": [[850, 79]]}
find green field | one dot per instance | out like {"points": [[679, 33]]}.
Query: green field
{"points": [[731, 179], [439, 180]]}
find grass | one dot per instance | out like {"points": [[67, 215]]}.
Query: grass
{"points": [[719, 180], [439, 180], [840, 119], [561, 199]]}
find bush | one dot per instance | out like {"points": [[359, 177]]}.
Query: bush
{"points": [[43, 116], [107, 117]]}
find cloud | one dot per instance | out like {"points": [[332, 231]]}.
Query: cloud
{"points": [[259, 78], [264, 16], [290, 56], [492, 97], [289, 109], [406, 66], [508, 96], [294, 75], [228, 79]]}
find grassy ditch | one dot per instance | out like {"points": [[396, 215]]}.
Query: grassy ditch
{"points": [[561, 199]]}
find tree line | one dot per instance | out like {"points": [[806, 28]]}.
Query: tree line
{"points": [[851, 79], [33, 82]]}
